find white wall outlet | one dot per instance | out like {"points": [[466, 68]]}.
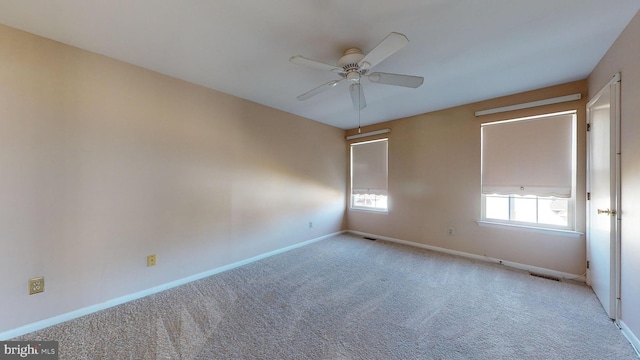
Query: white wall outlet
{"points": [[310, 224], [450, 231]]}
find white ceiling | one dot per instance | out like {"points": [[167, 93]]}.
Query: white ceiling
{"points": [[467, 50]]}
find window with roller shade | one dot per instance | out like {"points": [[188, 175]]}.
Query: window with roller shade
{"points": [[369, 175], [528, 170]]}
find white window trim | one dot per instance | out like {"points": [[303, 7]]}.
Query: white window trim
{"points": [[361, 208], [568, 230]]}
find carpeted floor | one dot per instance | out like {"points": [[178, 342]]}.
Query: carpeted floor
{"points": [[350, 298]]}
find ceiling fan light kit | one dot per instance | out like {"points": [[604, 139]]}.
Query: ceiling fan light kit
{"points": [[354, 65]]}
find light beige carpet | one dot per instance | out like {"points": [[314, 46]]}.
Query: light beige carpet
{"points": [[350, 298]]}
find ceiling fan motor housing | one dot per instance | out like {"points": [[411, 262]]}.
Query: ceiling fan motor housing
{"points": [[349, 62]]}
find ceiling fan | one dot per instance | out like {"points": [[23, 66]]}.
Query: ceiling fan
{"points": [[354, 65]]}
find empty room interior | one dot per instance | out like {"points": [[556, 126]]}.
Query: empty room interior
{"points": [[259, 165]]}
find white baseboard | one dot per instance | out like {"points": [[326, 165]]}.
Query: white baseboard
{"points": [[39, 325], [530, 268], [633, 339]]}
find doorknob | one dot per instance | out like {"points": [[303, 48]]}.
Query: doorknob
{"points": [[608, 212]]}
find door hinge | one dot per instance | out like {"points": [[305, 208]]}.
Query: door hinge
{"points": [[588, 196], [587, 264], [588, 127]]}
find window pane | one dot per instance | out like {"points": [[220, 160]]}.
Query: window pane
{"points": [[497, 207], [530, 209], [524, 208], [369, 201], [553, 211]]}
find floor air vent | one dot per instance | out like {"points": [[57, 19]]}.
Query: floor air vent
{"points": [[548, 277], [369, 238]]}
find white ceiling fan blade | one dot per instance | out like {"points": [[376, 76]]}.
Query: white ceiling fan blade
{"points": [[318, 90], [396, 79], [357, 96], [389, 45], [301, 60]]}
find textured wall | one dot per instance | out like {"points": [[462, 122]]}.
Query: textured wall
{"points": [[103, 163]]}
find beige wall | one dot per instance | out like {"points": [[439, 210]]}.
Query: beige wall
{"points": [[103, 163], [434, 184], [624, 57]]}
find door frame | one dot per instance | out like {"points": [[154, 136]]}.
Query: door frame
{"points": [[615, 150]]}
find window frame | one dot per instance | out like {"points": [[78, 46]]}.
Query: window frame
{"points": [[351, 195], [571, 201]]}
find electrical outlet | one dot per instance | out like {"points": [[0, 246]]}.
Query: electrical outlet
{"points": [[310, 224], [151, 260], [450, 231], [36, 285]]}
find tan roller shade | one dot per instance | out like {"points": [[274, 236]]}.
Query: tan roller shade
{"points": [[369, 167], [528, 157]]}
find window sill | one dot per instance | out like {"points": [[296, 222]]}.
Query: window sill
{"points": [[548, 231], [369, 210]]}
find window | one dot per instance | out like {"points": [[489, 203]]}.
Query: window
{"points": [[528, 209], [528, 171], [369, 175]]}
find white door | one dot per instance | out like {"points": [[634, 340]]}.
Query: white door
{"points": [[603, 206]]}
